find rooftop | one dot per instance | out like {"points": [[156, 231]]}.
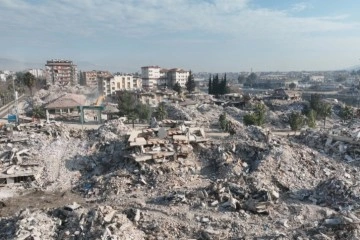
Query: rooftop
{"points": [[67, 101]]}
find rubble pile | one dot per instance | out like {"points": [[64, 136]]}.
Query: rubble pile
{"points": [[33, 154], [112, 129], [72, 222], [161, 143], [339, 143], [177, 112], [172, 181]]}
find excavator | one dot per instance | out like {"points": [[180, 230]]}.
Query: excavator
{"points": [[99, 101]]}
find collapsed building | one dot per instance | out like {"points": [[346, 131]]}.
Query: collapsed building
{"points": [[163, 143]]}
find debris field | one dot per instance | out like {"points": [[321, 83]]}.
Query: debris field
{"points": [[172, 181]]}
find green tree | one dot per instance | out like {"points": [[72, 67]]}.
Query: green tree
{"points": [[190, 83], [143, 111], [260, 113], [223, 88], [324, 111], [346, 113], [38, 112], [215, 85], [210, 91], [296, 121], [311, 118], [249, 119], [292, 86], [130, 107], [29, 81], [315, 102], [223, 121], [177, 88], [161, 112], [258, 117]]}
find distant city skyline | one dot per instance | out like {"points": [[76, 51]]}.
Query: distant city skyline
{"points": [[202, 35]]}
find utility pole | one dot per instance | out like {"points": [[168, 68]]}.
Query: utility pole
{"points": [[16, 102]]}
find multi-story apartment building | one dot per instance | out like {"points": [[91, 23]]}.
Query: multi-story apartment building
{"points": [[177, 75], [137, 82], [150, 76], [39, 73], [110, 85], [92, 78], [63, 72], [154, 77]]}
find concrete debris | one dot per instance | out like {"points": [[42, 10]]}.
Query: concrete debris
{"points": [[160, 143], [182, 178]]}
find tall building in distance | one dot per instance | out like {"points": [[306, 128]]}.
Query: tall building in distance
{"points": [[92, 78], [154, 77], [62, 72], [150, 76], [108, 86], [39, 73], [177, 75]]}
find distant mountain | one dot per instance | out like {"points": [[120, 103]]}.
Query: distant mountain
{"points": [[16, 65], [87, 66]]}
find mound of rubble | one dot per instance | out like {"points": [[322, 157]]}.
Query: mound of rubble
{"points": [[172, 181], [71, 222]]}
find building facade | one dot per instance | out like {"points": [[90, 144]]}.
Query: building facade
{"points": [[177, 75], [62, 72], [92, 78], [154, 77], [110, 85], [39, 73], [150, 76]]}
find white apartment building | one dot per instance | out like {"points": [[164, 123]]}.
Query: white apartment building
{"points": [[155, 76], [2, 77], [109, 86], [317, 78], [39, 73], [150, 76], [177, 75]]}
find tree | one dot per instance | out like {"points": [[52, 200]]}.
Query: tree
{"points": [[143, 111], [324, 111], [296, 121], [346, 113], [190, 83], [177, 88], [315, 102], [29, 81], [130, 107], [258, 117], [215, 85], [161, 112], [38, 112], [249, 119], [223, 88], [223, 121], [311, 118], [210, 90], [292, 86], [260, 113]]}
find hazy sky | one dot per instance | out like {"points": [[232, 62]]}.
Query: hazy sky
{"points": [[202, 35]]}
